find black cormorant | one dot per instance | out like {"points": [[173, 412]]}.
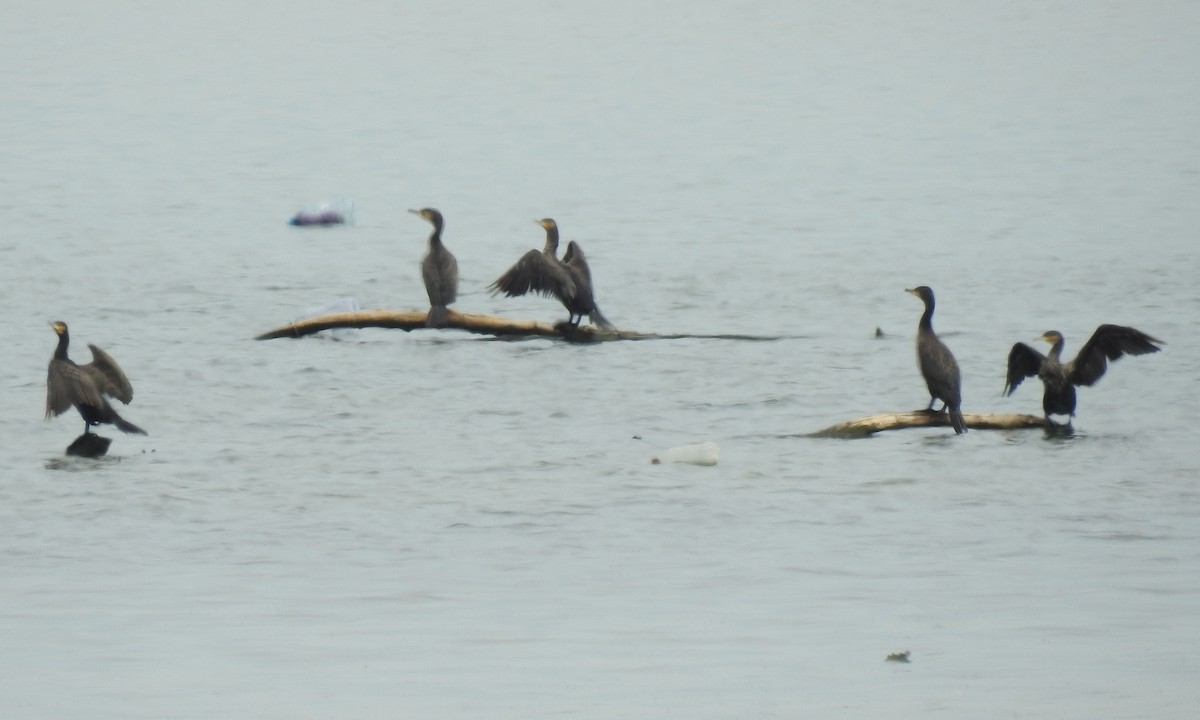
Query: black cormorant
{"points": [[569, 279], [439, 268], [1109, 342], [937, 363], [85, 386]]}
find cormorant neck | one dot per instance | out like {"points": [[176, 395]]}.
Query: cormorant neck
{"points": [[1056, 349], [927, 317], [551, 248], [60, 352], [435, 237]]}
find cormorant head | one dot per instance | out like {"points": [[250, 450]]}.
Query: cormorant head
{"points": [[1052, 336], [922, 291], [547, 223], [59, 326], [431, 215]]}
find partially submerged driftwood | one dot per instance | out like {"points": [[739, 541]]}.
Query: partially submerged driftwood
{"points": [[408, 320], [924, 418]]}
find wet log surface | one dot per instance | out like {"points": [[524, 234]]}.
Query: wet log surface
{"points": [[872, 424], [494, 325]]}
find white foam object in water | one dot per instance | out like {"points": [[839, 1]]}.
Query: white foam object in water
{"points": [[705, 453]]}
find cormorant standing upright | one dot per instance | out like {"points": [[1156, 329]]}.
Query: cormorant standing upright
{"points": [[937, 363], [439, 268]]}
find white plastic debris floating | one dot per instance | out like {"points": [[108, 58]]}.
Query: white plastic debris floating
{"points": [[705, 453]]}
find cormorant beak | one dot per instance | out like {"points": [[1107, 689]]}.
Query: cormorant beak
{"points": [[415, 212], [911, 290]]}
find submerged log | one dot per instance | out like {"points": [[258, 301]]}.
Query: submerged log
{"points": [[495, 325], [89, 445], [863, 427]]}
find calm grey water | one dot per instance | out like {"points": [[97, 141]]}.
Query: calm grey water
{"points": [[440, 525]]}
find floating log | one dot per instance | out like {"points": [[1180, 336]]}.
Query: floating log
{"points": [[89, 445], [495, 325], [863, 427], [409, 320]]}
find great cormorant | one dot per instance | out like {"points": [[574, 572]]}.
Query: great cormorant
{"points": [[937, 364], [569, 279], [85, 386], [1059, 379], [439, 268]]}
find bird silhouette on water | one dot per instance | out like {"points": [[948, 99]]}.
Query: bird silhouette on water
{"points": [[937, 363], [85, 387]]}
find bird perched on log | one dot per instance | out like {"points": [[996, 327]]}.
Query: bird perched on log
{"points": [[569, 279], [1059, 379], [85, 386], [937, 363], [439, 268]]}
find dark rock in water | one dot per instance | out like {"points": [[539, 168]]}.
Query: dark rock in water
{"points": [[324, 217], [89, 445]]}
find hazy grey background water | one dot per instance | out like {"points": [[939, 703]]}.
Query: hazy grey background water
{"points": [[439, 525]]}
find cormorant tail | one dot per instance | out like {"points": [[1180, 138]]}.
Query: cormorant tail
{"points": [[956, 419], [436, 317], [599, 320], [126, 426]]}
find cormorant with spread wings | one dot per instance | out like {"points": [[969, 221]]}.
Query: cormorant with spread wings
{"points": [[85, 386], [1059, 379]]}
